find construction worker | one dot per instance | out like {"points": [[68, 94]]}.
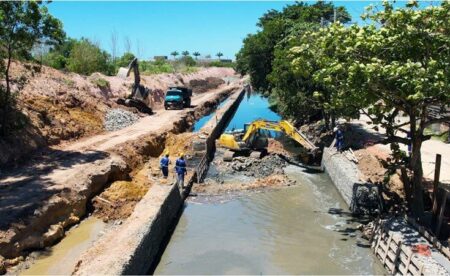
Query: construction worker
{"points": [[164, 165], [180, 168], [339, 138]]}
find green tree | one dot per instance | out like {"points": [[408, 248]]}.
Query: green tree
{"points": [[258, 51], [22, 25], [125, 60], [174, 54], [398, 63], [196, 55], [58, 55], [188, 61], [185, 53], [219, 55], [87, 58]]}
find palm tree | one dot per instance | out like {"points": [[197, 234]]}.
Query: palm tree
{"points": [[185, 53], [196, 54], [219, 55], [174, 54]]}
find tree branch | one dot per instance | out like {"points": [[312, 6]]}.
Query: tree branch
{"points": [[396, 139]]}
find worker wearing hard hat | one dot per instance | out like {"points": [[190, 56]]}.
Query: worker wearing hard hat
{"points": [[164, 165], [339, 138], [180, 168]]}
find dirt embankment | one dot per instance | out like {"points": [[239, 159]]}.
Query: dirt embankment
{"points": [[117, 202], [59, 106], [56, 191], [372, 160]]}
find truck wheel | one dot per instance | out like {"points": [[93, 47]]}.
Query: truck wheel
{"points": [[165, 107]]}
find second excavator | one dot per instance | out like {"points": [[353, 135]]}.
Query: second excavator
{"points": [[251, 142]]}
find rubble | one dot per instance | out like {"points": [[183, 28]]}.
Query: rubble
{"points": [[116, 119]]}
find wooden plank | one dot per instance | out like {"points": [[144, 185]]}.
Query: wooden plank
{"points": [[408, 262], [387, 248], [390, 267], [437, 173], [421, 269], [397, 256]]}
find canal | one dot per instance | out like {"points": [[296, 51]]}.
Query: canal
{"points": [[301, 229]]}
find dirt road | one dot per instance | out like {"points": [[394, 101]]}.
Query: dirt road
{"points": [[55, 186], [429, 149]]}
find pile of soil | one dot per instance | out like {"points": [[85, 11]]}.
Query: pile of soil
{"points": [[119, 199], [277, 147], [203, 85], [60, 106]]}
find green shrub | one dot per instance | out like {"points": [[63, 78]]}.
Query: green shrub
{"points": [[218, 63], [101, 83], [86, 58]]}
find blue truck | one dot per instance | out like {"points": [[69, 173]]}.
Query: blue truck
{"points": [[177, 97]]}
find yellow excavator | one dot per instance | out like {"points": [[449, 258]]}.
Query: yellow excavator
{"points": [[251, 141]]}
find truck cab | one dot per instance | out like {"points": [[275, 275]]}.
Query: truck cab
{"points": [[177, 97]]}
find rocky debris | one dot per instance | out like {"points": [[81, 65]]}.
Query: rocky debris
{"points": [[116, 119], [366, 199], [264, 167], [366, 230]]}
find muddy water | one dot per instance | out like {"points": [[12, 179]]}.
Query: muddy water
{"points": [[302, 229], [61, 258], [295, 230]]}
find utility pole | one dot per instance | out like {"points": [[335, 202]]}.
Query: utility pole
{"points": [[321, 21], [334, 15]]}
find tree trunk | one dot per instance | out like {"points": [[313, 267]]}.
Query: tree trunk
{"points": [[415, 165], [6, 101], [333, 120], [326, 120], [8, 65]]}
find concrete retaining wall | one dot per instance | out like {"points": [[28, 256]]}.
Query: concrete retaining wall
{"points": [[134, 247], [361, 198]]}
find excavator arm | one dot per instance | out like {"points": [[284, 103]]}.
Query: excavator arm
{"points": [[282, 126], [139, 94]]}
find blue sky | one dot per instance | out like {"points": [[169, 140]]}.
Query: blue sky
{"points": [[158, 28]]}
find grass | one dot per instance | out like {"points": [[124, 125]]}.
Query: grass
{"points": [[69, 82], [101, 83]]}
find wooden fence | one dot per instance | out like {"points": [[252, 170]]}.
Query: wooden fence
{"points": [[395, 256]]}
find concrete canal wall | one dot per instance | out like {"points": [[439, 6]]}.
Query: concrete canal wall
{"points": [[361, 197]]}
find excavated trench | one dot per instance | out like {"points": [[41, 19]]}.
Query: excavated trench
{"points": [[109, 197]]}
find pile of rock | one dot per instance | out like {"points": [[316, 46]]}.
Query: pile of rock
{"points": [[264, 167], [116, 119]]}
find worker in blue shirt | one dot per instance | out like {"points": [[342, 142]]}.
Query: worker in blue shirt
{"points": [[180, 168], [164, 165], [339, 139]]}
